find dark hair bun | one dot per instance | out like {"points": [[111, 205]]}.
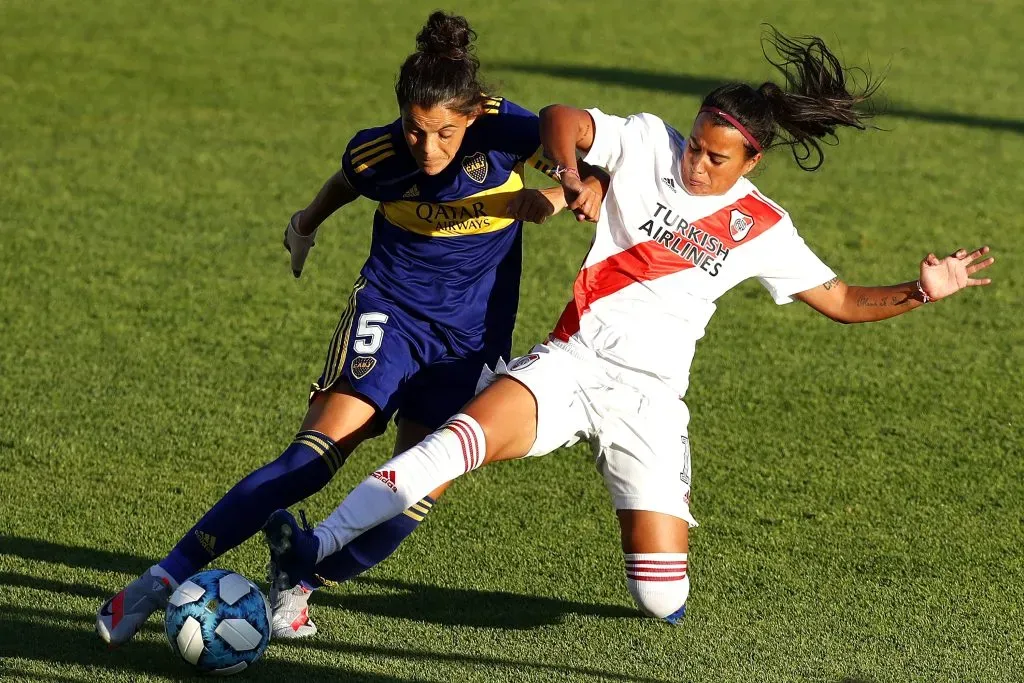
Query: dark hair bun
{"points": [[446, 35]]}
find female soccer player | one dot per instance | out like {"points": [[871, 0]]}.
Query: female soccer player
{"points": [[681, 225], [435, 303]]}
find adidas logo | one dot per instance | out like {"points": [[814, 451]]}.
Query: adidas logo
{"points": [[411, 193], [671, 183], [207, 541], [388, 477]]}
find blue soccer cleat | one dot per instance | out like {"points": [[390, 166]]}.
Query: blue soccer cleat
{"points": [[293, 551], [676, 618]]}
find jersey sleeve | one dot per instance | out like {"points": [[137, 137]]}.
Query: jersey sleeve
{"points": [[518, 130], [361, 162], [790, 265], [617, 138]]}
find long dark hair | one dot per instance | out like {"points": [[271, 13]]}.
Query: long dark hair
{"points": [[815, 100], [443, 70]]}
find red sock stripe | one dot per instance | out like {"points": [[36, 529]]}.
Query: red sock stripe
{"points": [[473, 446], [462, 441], [470, 440], [655, 561], [637, 568], [674, 577]]}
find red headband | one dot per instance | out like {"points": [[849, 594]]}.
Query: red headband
{"points": [[735, 124]]}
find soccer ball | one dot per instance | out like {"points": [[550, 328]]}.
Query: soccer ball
{"points": [[218, 621]]}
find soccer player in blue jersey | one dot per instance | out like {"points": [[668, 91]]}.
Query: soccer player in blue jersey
{"points": [[435, 302]]}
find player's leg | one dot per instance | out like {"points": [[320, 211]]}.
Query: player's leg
{"points": [[655, 547], [377, 544], [343, 412], [428, 400], [501, 423], [645, 461], [291, 607], [337, 422]]}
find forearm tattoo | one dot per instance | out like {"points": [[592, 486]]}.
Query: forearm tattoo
{"points": [[834, 282], [875, 302]]}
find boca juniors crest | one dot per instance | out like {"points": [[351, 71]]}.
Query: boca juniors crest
{"points": [[739, 224], [475, 166], [361, 366]]}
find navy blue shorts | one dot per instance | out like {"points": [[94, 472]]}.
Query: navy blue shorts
{"points": [[399, 362]]}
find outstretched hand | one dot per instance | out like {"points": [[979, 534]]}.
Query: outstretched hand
{"points": [[943, 277]]}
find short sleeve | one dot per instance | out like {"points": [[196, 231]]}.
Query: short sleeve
{"points": [[790, 265], [616, 138], [361, 162], [518, 129]]}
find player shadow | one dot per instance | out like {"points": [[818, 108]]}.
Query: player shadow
{"points": [[47, 636], [698, 86], [62, 638], [414, 601], [73, 556], [504, 665], [461, 606]]}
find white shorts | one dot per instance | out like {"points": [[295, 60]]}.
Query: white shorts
{"points": [[635, 424]]}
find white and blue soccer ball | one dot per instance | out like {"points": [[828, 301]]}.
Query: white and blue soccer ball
{"points": [[218, 621]]}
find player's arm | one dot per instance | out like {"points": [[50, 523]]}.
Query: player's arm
{"points": [[335, 193], [563, 131], [537, 205], [940, 278], [300, 235]]}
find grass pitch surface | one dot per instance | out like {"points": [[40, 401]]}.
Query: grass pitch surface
{"points": [[859, 488]]}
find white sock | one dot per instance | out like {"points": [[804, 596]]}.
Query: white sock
{"points": [[658, 582], [451, 451]]}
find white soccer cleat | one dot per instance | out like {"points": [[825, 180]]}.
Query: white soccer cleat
{"points": [[291, 613], [121, 617]]}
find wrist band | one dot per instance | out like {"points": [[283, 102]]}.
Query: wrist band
{"points": [[924, 295], [559, 170]]}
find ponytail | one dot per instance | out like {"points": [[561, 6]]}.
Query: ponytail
{"points": [[815, 101]]}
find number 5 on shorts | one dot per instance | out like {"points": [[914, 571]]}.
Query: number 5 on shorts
{"points": [[369, 333]]}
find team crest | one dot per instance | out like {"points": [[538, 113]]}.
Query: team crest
{"points": [[475, 166], [739, 224], [361, 366], [523, 362]]}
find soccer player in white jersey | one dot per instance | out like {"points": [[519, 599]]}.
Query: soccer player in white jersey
{"points": [[680, 226]]}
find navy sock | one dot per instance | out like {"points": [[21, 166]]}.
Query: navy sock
{"points": [[373, 546], [304, 468]]}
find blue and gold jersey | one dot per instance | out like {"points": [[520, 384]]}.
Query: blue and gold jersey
{"points": [[443, 246]]}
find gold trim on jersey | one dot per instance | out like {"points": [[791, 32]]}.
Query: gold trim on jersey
{"points": [[491, 105], [476, 214], [385, 152], [338, 348], [371, 143], [370, 152], [543, 164]]}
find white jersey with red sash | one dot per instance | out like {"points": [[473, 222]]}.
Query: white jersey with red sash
{"points": [[661, 257]]}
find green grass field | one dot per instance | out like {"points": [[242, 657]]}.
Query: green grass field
{"points": [[861, 489]]}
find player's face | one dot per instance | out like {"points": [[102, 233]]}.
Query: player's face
{"points": [[434, 135], [715, 158]]}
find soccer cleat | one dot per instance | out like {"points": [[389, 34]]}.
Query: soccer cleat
{"points": [[291, 613], [293, 550], [121, 617], [676, 618]]}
